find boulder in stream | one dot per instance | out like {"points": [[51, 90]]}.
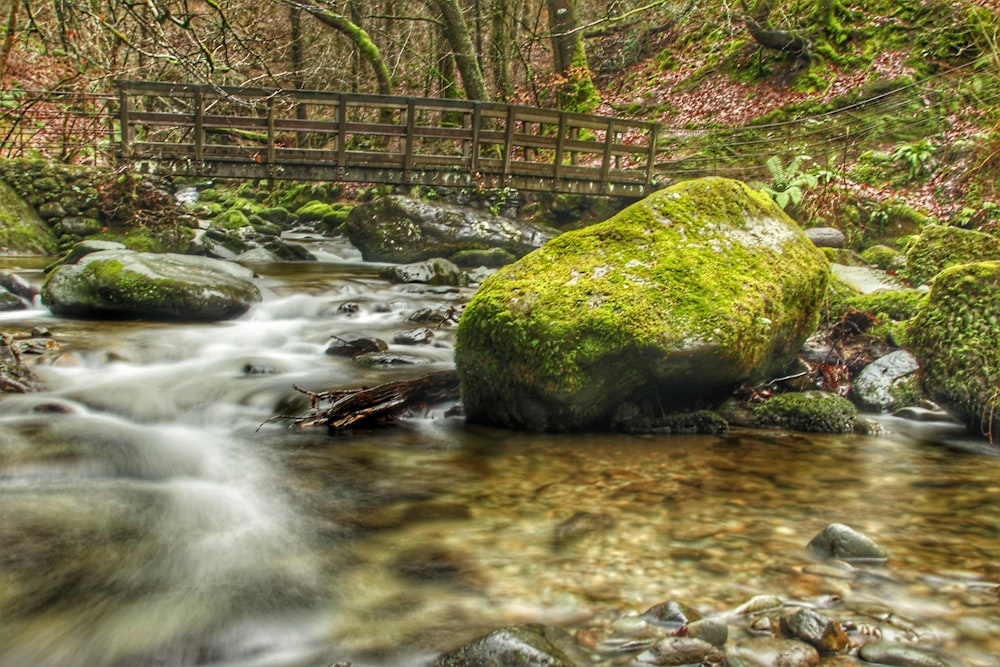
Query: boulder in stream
{"points": [[136, 285], [668, 305], [530, 645], [404, 229]]}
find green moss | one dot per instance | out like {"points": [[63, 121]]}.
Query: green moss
{"points": [[231, 219], [938, 247], [954, 335], [899, 305], [884, 257], [607, 298], [313, 211], [813, 411]]}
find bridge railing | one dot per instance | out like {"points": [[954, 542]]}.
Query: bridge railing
{"points": [[270, 133]]}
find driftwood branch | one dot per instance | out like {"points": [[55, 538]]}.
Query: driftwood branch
{"points": [[384, 403]]}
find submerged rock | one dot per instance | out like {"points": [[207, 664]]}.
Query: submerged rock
{"points": [[843, 542], [134, 285], [668, 305], [811, 411], [530, 645], [885, 653]]}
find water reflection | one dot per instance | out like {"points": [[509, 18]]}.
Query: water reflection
{"points": [[150, 516]]}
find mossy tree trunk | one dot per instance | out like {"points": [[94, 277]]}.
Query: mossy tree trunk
{"points": [[360, 38], [456, 33], [8, 38], [569, 56]]}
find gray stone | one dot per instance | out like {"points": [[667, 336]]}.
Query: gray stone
{"points": [[127, 284], [421, 336], [826, 237], [713, 630], [354, 344], [681, 651], [403, 229], [529, 645], [884, 653], [884, 383], [772, 652], [436, 271], [10, 301], [812, 627], [845, 543]]}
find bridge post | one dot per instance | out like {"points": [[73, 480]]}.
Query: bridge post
{"points": [[654, 135], [477, 123], [341, 135], [508, 143], [609, 139], [199, 129], [560, 147], [408, 141], [124, 108]]}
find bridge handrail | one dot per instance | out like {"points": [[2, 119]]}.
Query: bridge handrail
{"points": [[360, 136]]}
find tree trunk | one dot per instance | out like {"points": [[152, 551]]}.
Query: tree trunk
{"points": [[757, 18], [8, 38], [456, 32], [569, 56], [362, 41], [562, 24]]}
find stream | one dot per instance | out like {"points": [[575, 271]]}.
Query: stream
{"points": [[153, 514]]}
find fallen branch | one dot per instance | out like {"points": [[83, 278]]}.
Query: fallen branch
{"points": [[384, 403]]}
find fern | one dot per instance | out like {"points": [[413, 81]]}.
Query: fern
{"points": [[788, 182]]}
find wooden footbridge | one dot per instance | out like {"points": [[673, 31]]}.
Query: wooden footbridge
{"points": [[228, 132]]}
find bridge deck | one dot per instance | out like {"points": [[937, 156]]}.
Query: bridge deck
{"points": [[228, 132]]}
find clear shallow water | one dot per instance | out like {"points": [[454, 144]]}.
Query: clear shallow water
{"points": [[150, 516]]}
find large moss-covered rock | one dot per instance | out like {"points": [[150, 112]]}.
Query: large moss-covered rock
{"points": [[22, 231], [128, 284], [956, 338], [939, 247], [667, 305], [403, 229]]}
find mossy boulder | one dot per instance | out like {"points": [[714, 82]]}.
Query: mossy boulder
{"points": [[938, 247], [812, 411], [669, 304], [956, 337], [22, 231], [404, 229], [124, 284]]}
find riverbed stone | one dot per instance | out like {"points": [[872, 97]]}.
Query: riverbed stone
{"points": [[887, 653], [675, 651], [405, 229], [528, 645], [841, 541], [351, 344], [135, 285], [955, 336], [774, 652], [22, 230], [669, 305], [421, 336], [826, 237], [812, 627]]}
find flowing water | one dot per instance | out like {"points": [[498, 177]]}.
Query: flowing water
{"points": [[150, 514]]}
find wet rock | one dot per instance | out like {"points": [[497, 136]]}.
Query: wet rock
{"points": [[888, 383], [436, 271], [433, 315], [713, 630], [354, 344], [812, 411], [350, 308], [82, 249], [671, 614], [843, 542], [557, 340], [579, 526], [939, 246], [17, 286], [757, 604], [772, 652], [826, 237], [821, 631], [954, 335], [10, 301], [403, 229], [389, 359], [529, 645], [140, 285], [422, 336], [681, 651], [432, 563], [885, 653]]}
